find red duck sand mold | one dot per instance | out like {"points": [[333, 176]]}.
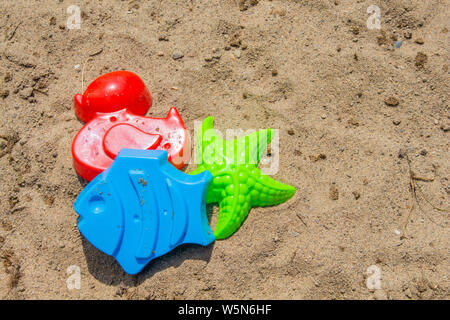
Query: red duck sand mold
{"points": [[113, 108]]}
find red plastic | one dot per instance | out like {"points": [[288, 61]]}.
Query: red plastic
{"points": [[112, 92], [113, 106]]}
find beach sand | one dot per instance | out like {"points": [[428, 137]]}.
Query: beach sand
{"points": [[351, 109]]}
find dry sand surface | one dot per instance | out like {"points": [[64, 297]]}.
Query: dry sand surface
{"points": [[352, 110]]}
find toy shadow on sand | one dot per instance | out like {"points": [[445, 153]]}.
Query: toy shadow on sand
{"points": [[105, 268]]}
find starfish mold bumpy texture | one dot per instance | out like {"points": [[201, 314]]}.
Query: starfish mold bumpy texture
{"points": [[238, 184]]}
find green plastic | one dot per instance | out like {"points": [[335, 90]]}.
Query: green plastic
{"points": [[238, 184]]}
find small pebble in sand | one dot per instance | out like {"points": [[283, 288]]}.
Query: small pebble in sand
{"points": [[419, 41], [356, 194], [160, 53], [353, 122], [318, 157], [323, 116], [8, 77], [4, 94], [392, 102], [177, 55], [26, 93], [334, 192], [3, 143], [445, 127], [402, 153], [96, 51], [397, 232], [77, 67], [396, 122], [421, 59], [278, 12], [398, 44], [355, 30]]}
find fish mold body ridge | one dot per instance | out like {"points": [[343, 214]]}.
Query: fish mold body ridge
{"points": [[142, 207]]}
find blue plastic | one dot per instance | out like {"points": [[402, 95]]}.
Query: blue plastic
{"points": [[142, 207]]}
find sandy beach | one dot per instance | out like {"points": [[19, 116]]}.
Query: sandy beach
{"points": [[363, 119]]}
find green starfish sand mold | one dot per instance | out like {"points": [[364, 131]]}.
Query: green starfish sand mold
{"points": [[238, 184]]}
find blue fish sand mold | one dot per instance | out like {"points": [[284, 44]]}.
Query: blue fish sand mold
{"points": [[142, 207]]}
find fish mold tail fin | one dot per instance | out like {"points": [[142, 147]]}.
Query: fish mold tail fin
{"points": [[198, 230]]}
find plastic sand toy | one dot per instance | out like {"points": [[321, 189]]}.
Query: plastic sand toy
{"points": [[114, 106], [138, 205], [112, 92], [238, 184], [142, 207]]}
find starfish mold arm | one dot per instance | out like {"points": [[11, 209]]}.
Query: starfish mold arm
{"points": [[234, 207], [215, 190], [237, 185], [267, 191], [238, 194]]}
